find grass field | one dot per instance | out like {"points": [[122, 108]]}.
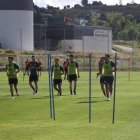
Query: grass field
{"points": [[27, 117]]}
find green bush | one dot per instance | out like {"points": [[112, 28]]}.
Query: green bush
{"points": [[10, 51]]}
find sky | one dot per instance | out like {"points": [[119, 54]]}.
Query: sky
{"points": [[62, 3]]}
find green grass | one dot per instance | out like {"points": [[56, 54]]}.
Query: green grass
{"points": [[27, 117]]}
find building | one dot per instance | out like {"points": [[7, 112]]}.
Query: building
{"points": [[16, 24], [76, 38]]}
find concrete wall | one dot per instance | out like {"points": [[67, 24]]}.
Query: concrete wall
{"points": [[16, 29], [101, 41]]}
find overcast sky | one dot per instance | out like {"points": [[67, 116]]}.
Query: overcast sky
{"points": [[62, 3]]}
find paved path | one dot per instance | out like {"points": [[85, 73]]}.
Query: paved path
{"points": [[124, 48]]}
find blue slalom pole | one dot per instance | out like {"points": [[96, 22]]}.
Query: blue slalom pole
{"points": [[52, 98], [114, 99], [89, 88], [52, 105], [51, 87], [49, 77]]}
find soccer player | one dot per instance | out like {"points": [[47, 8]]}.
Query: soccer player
{"points": [[26, 66], [39, 67], [107, 72], [102, 83], [65, 67], [73, 73], [57, 72], [12, 70], [33, 75]]}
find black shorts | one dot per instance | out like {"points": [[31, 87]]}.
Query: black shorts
{"points": [[108, 79], [13, 81], [33, 78], [102, 80], [72, 77], [57, 81]]}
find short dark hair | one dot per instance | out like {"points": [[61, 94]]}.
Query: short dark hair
{"points": [[56, 58], [71, 55], [10, 57], [107, 55]]}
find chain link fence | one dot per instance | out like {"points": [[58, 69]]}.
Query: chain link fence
{"points": [[123, 64]]}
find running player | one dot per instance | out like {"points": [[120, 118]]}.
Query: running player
{"points": [[26, 66], [108, 69], [39, 67], [100, 64], [65, 67], [33, 75], [12, 70], [57, 72], [73, 73]]}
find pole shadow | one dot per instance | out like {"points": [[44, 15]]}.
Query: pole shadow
{"points": [[87, 102]]}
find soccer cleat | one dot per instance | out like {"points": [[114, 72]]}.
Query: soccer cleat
{"points": [[17, 94], [13, 97], [34, 92], [108, 99]]}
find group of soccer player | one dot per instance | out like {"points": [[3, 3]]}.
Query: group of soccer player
{"points": [[70, 69], [106, 70], [32, 69]]}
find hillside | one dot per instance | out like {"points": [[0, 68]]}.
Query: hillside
{"points": [[56, 15], [124, 20]]}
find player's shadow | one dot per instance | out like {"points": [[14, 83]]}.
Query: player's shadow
{"points": [[87, 97], [87, 100], [44, 97], [38, 98]]}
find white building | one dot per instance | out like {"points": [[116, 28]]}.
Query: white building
{"points": [[16, 24], [80, 38]]}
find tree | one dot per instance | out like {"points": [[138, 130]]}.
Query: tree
{"points": [[96, 3], [84, 2], [68, 6], [77, 6], [103, 17]]}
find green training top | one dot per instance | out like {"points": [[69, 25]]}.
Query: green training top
{"points": [[11, 70], [72, 67], [107, 68], [57, 71]]}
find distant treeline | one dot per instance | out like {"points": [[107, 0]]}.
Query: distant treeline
{"points": [[124, 20]]}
